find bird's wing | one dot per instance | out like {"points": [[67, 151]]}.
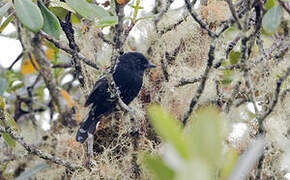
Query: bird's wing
{"points": [[99, 92]]}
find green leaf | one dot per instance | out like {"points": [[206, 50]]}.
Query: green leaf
{"points": [[12, 124], [50, 24], [234, 56], [2, 103], [32, 171], [269, 4], [4, 9], [136, 9], [29, 14], [227, 77], [226, 82], [61, 5], [158, 168], [169, 128], [6, 22], [112, 8], [87, 10], [61, 14], [272, 19], [229, 163], [228, 73], [17, 86], [10, 121], [109, 20], [40, 92], [12, 76], [9, 140], [3, 85], [206, 135]]}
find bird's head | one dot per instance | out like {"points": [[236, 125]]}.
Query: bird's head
{"points": [[136, 61]]}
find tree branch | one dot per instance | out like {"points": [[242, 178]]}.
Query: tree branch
{"points": [[201, 86], [234, 13], [163, 11], [31, 149], [68, 50], [275, 99], [198, 20], [184, 82], [47, 74], [16, 60]]}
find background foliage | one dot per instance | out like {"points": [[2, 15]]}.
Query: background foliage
{"points": [[217, 106]]}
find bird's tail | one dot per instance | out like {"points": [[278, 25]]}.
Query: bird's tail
{"points": [[87, 126]]}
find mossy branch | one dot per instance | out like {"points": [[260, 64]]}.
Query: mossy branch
{"points": [[275, 99], [33, 150], [201, 86], [68, 50]]}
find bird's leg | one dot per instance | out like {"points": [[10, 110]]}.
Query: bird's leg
{"points": [[90, 150], [91, 132], [90, 145]]}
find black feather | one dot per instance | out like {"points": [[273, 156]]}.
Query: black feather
{"points": [[128, 76]]}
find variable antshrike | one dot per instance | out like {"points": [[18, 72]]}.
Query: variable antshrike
{"points": [[128, 76]]}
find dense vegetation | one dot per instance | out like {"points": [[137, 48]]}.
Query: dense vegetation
{"points": [[217, 106]]}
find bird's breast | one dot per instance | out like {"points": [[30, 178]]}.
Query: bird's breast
{"points": [[129, 85]]}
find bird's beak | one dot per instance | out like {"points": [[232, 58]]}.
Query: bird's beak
{"points": [[151, 65]]}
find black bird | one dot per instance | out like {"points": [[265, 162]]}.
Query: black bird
{"points": [[128, 76]]}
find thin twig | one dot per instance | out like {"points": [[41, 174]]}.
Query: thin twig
{"points": [[135, 142], [229, 102], [30, 103], [284, 5], [169, 58], [263, 116], [163, 11], [234, 13], [260, 43], [68, 50], [282, 51], [70, 35], [128, 30], [198, 20], [201, 86], [244, 57], [232, 44], [219, 63], [101, 36], [171, 27], [284, 93], [249, 84], [68, 65], [164, 65], [47, 74], [245, 69], [219, 94], [33, 150], [239, 2], [16, 60], [184, 82], [226, 24], [118, 35]]}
